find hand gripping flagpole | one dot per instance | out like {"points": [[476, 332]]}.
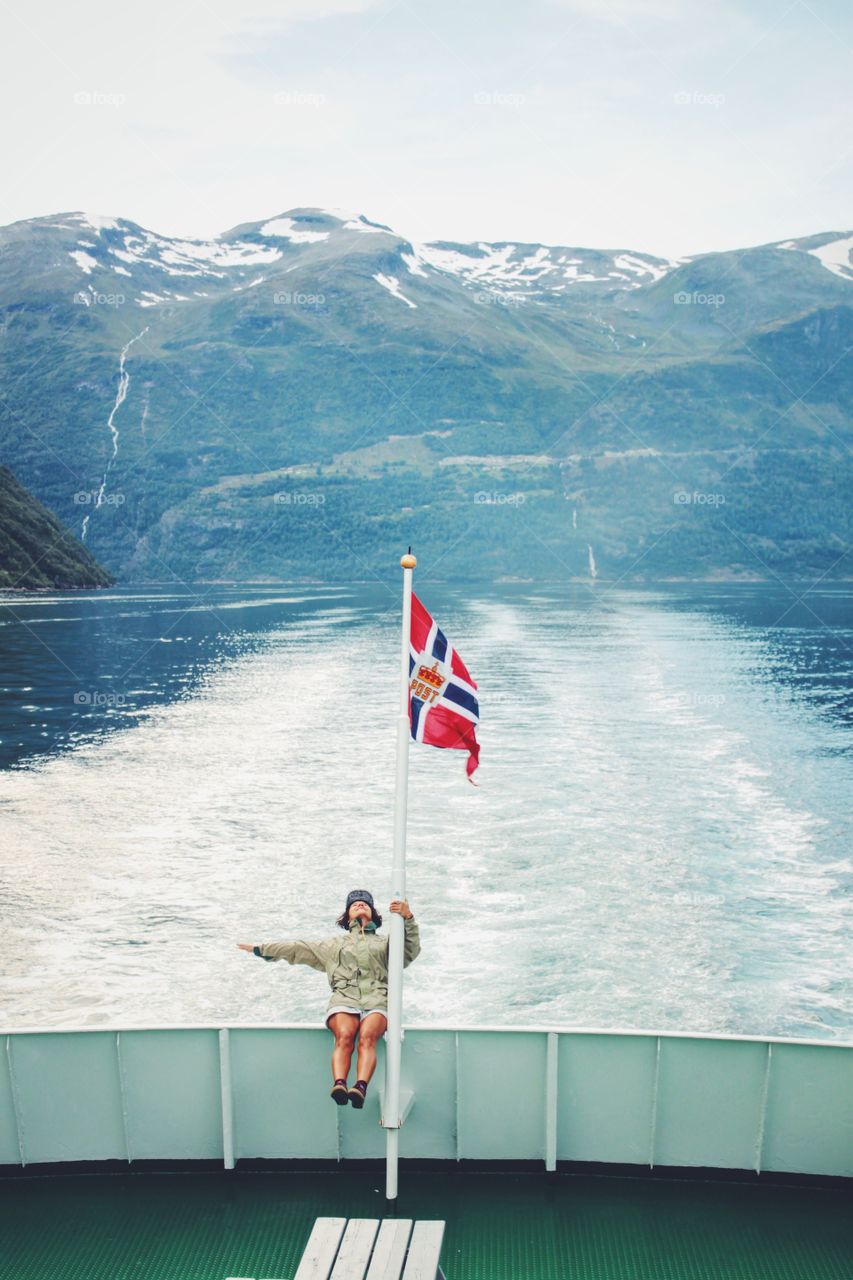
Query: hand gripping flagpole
{"points": [[394, 1040]]}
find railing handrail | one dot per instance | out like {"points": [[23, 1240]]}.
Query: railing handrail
{"points": [[541, 1029]]}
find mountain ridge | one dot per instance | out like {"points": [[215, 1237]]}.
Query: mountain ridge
{"points": [[581, 389]]}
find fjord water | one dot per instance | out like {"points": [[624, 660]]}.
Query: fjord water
{"points": [[660, 838]]}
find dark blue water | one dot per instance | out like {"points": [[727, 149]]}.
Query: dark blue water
{"points": [[77, 665]]}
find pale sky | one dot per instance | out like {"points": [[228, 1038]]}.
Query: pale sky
{"points": [[667, 126]]}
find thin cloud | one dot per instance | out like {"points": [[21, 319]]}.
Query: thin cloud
{"points": [[657, 125]]}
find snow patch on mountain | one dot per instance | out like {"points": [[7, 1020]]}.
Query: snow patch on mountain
{"points": [[641, 266], [355, 221], [487, 263], [84, 260], [185, 259], [184, 253], [835, 256], [150, 299], [450, 260], [192, 257], [358, 224], [413, 266], [511, 266], [392, 284], [341, 215], [96, 221], [832, 254], [571, 273], [286, 229], [240, 288]]}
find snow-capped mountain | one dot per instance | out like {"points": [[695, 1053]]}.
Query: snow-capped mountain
{"points": [[201, 380], [539, 270], [249, 254]]}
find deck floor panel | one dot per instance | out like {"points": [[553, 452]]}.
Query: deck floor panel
{"points": [[501, 1226]]}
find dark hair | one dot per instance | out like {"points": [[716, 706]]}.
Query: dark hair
{"points": [[343, 919]]}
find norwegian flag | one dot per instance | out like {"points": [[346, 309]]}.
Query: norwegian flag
{"points": [[443, 706]]}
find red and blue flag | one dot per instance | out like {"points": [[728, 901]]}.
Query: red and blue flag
{"points": [[443, 706]]}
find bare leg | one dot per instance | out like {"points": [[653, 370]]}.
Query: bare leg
{"points": [[372, 1027], [344, 1027]]}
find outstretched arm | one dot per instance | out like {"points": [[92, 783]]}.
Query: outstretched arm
{"points": [[315, 954]]}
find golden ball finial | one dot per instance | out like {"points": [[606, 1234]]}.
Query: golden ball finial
{"points": [[408, 561]]}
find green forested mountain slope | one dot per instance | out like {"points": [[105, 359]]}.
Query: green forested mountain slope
{"points": [[35, 550]]}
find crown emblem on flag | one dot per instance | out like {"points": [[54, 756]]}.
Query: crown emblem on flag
{"points": [[431, 675], [427, 682]]}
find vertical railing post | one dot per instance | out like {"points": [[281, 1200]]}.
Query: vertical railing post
{"points": [[456, 1092], [227, 1097], [762, 1117], [654, 1124], [551, 1102], [16, 1102], [122, 1087]]}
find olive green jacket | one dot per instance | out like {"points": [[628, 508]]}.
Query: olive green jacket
{"points": [[355, 963]]}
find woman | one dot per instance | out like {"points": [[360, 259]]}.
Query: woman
{"points": [[357, 969]]}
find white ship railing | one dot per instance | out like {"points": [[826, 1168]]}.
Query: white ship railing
{"points": [[548, 1094]]}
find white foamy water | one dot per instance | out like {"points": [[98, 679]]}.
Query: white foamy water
{"points": [[659, 839]]}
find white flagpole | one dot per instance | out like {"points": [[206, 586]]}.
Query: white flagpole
{"points": [[394, 1037]]}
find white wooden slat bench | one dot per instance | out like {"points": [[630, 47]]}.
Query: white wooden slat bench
{"points": [[367, 1249]]}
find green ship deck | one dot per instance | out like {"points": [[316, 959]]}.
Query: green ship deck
{"points": [[500, 1226]]}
